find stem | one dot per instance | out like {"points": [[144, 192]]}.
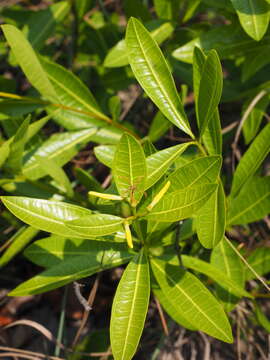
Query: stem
{"points": [[61, 323]]}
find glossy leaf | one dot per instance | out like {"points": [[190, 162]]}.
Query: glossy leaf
{"points": [[129, 169], [52, 250], [253, 16], [96, 225], [158, 163], [226, 260], [60, 148], [76, 268], [118, 56], [193, 299], [105, 154], [45, 215], [181, 204], [251, 160], [129, 308], [211, 219], [151, 70], [204, 170], [252, 204], [259, 260], [29, 62]]}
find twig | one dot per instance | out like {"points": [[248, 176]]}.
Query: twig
{"points": [[80, 297], [162, 317], [28, 352]]}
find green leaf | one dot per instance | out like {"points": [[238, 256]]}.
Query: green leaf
{"points": [[129, 169], [251, 160], [259, 260], [53, 250], [45, 215], [167, 9], [16, 148], [41, 24], [129, 308], [29, 62], [18, 241], [158, 127], [252, 203], [210, 90], [117, 56], [56, 173], [226, 260], [96, 225], [181, 204], [211, 219], [193, 299], [261, 318], [253, 16], [75, 268], [105, 154], [252, 124], [204, 170], [151, 70], [88, 180], [254, 63], [59, 148], [158, 163]]}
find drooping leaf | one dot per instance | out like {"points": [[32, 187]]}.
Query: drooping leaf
{"points": [[193, 299], [259, 260], [45, 215], [251, 160], [252, 204], [129, 169], [129, 308], [158, 163], [211, 219], [226, 260], [181, 204], [253, 16], [29, 62], [60, 148], [75, 268], [151, 70], [96, 225]]}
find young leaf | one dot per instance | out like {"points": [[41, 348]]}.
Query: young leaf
{"points": [[252, 204], [226, 260], [45, 215], [158, 163], [29, 62], [129, 169], [151, 70], [16, 148], [210, 90], [253, 16], [251, 160], [96, 225], [129, 308], [75, 268], [60, 148], [194, 300], [211, 219], [181, 204]]}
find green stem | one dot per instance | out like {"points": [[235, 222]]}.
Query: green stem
{"points": [[61, 323]]}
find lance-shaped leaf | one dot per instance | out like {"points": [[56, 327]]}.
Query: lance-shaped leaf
{"points": [[16, 148], [29, 62], [226, 260], [158, 163], [60, 148], [96, 225], [211, 219], [204, 170], [193, 299], [73, 269], [45, 215], [151, 70], [105, 154], [129, 169], [181, 204], [117, 56], [251, 160], [253, 16], [259, 260], [212, 136], [129, 308], [210, 90], [252, 204], [52, 250]]}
